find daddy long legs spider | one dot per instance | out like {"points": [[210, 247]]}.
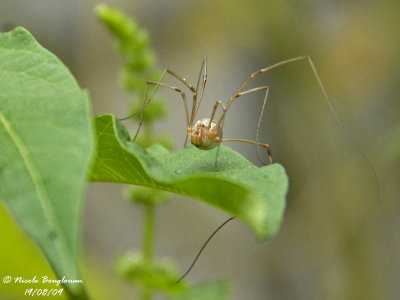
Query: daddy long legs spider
{"points": [[207, 133]]}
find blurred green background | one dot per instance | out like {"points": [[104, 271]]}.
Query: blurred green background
{"points": [[337, 241]]}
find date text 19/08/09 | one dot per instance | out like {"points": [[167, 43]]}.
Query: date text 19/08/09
{"points": [[43, 292]]}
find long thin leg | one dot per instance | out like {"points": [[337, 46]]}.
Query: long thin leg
{"points": [[182, 79], [323, 90], [266, 88], [147, 101], [273, 67], [203, 247], [266, 146], [192, 89], [202, 88], [196, 106], [177, 90], [218, 103], [218, 148], [130, 116], [183, 98], [174, 74], [259, 122], [204, 62]]}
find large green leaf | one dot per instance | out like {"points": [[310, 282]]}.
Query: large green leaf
{"points": [[45, 148], [255, 195]]}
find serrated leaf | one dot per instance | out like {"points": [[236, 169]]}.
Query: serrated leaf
{"points": [[46, 145], [254, 195]]}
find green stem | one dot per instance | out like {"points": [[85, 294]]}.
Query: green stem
{"points": [[148, 242]]}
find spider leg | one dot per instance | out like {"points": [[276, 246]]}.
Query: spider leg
{"points": [[218, 103], [190, 87], [325, 94], [261, 88], [157, 84], [196, 107], [266, 146], [176, 90], [288, 61], [184, 102], [182, 79], [147, 101]]}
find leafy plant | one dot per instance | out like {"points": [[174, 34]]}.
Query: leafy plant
{"points": [[45, 149], [47, 155]]}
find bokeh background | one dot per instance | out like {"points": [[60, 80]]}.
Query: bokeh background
{"points": [[337, 240]]}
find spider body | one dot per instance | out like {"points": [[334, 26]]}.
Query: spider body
{"points": [[204, 134]]}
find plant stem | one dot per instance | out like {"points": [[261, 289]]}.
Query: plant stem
{"points": [[148, 242]]}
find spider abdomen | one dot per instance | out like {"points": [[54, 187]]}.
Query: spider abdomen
{"points": [[204, 136]]}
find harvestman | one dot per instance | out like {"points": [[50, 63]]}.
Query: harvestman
{"points": [[206, 133]]}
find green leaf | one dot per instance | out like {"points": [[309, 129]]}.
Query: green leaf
{"points": [[46, 146], [205, 291], [20, 258], [254, 195]]}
